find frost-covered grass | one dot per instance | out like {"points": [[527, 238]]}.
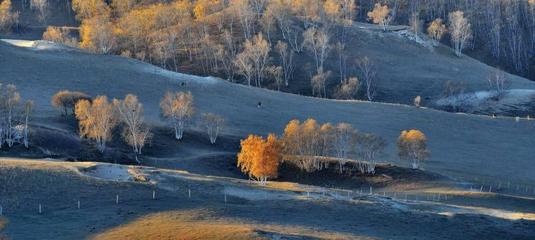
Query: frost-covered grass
{"points": [[37, 45], [460, 144], [481, 99]]}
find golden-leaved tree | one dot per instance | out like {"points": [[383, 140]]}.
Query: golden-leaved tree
{"points": [[96, 120], [380, 15], [260, 158], [412, 146], [66, 100], [8, 17], [85, 9], [97, 35]]}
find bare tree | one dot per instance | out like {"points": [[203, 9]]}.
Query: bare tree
{"points": [[343, 142], [228, 55], [281, 12], [416, 24], [28, 107], [253, 59], [276, 73], [136, 133], [515, 43], [268, 22], [342, 60], [369, 73], [493, 26], [245, 67], [178, 109], [287, 61], [246, 15], [41, 6], [317, 41], [318, 84], [452, 88], [498, 81], [214, 124], [380, 15], [9, 101], [370, 147], [460, 30], [349, 8]]}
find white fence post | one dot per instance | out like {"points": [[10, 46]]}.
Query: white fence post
{"points": [[40, 209], [78, 204], [189, 193], [153, 194], [117, 199]]}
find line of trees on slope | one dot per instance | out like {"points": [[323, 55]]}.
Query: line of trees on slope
{"points": [[98, 117], [14, 118], [211, 34], [503, 29], [312, 147], [257, 41]]}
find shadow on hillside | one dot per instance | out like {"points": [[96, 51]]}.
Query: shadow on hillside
{"points": [[385, 175]]}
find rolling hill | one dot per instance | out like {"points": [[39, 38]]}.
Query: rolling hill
{"points": [[497, 148]]}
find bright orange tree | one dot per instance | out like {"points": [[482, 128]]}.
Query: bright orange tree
{"points": [[259, 157], [412, 146]]}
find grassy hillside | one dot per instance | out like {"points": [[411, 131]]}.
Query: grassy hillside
{"points": [[406, 68], [497, 148], [278, 211]]}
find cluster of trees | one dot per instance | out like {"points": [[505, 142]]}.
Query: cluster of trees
{"points": [[312, 147], [259, 158], [98, 117], [66, 101], [14, 118], [251, 41], [60, 35], [9, 18], [305, 142], [256, 41], [503, 29]]}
